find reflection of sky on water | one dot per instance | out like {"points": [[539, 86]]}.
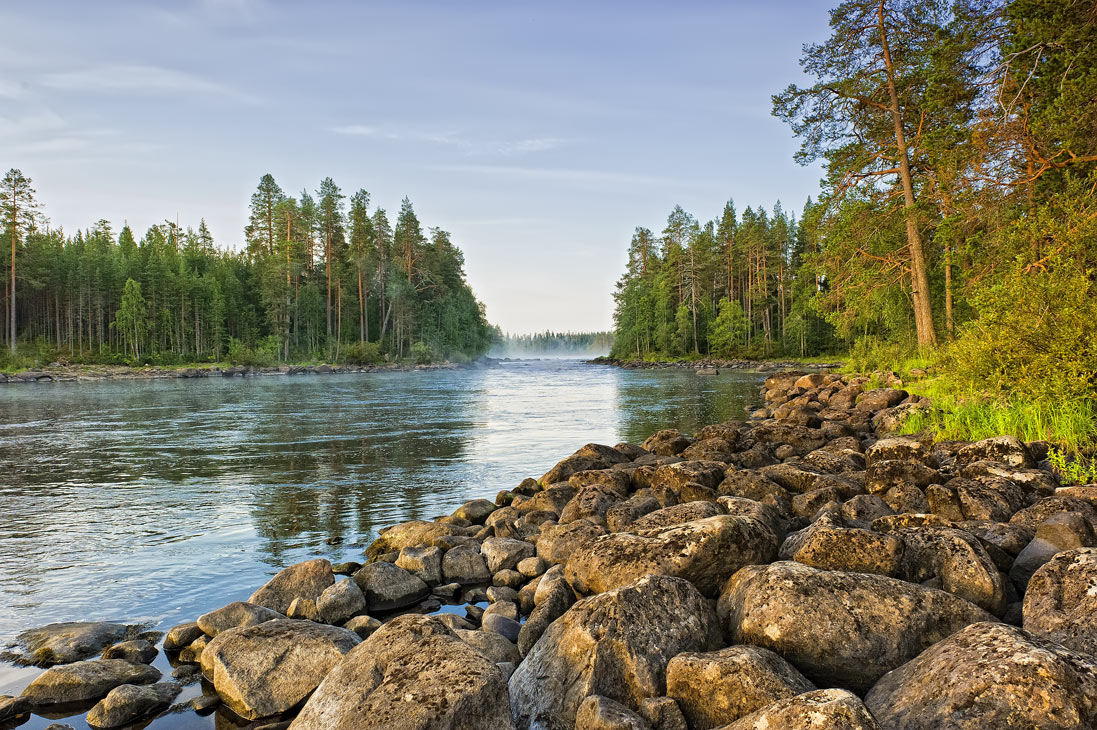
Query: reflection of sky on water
{"points": [[156, 501]]}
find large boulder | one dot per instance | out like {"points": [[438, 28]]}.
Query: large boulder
{"points": [[84, 681], [503, 553], [602, 713], [181, 635], [388, 587], [839, 629], [958, 560], [989, 675], [264, 670], [304, 580], [828, 544], [705, 552], [557, 543], [235, 615], [668, 442], [1058, 533], [824, 709], [1006, 449], [341, 602], [615, 644], [465, 564], [71, 641], [716, 688], [414, 534], [412, 674], [591, 456], [1061, 601], [129, 702]]}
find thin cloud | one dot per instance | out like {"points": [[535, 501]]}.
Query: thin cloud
{"points": [[562, 175], [125, 79], [455, 140]]}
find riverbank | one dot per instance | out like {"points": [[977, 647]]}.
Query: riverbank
{"points": [[903, 577], [97, 373], [710, 364]]}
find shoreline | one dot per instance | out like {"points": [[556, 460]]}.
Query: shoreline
{"points": [[788, 366], [807, 512], [100, 373]]}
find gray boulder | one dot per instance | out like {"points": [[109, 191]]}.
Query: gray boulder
{"points": [[341, 602], [304, 580], [705, 552], [1058, 533], [388, 587], [503, 553], [422, 562], [844, 629], [72, 641], [411, 674], [989, 675], [615, 644], [84, 681], [129, 702], [716, 688], [235, 615], [557, 543], [465, 565], [824, 709], [137, 651], [602, 713], [264, 670], [1061, 601], [181, 635]]}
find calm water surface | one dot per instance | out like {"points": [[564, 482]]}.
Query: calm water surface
{"points": [[158, 501]]}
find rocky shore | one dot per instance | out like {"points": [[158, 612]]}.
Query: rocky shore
{"points": [[709, 365], [76, 374], [803, 569]]}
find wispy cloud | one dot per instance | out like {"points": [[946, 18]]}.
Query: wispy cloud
{"points": [[569, 176], [463, 143], [128, 79]]}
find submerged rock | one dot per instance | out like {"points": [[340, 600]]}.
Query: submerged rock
{"points": [[84, 681], [615, 644], [412, 674], [128, 702], [989, 675], [72, 641]]}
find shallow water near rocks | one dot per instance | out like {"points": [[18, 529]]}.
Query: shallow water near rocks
{"points": [[156, 501]]}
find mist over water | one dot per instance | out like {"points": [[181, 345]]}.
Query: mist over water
{"points": [[158, 501]]}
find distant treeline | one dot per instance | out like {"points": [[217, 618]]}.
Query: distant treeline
{"points": [[554, 343], [319, 279]]}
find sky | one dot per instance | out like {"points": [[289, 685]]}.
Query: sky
{"points": [[540, 134]]}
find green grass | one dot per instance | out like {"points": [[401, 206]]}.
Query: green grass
{"points": [[971, 416]]}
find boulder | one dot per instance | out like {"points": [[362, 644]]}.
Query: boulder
{"points": [[62, 643], [552, 499], [591, 456], [601, 713], [615, 644], [958, 560], [388, 587], [181, 635], [1061, 601], [413, 534], [676, 515], [1006, 449], [751, 485], [129, 702], [591, 503], [622, 514], [829, 545], [824, 709], [304, 580], [1059, 532], [424, 562], [264, 670], [668, 442], [364, 626], [677, 476], [895, 448], [662, 713], [84, 681], [989, 675], [341, 602], [705, 552], [138, 651], [557, 543], [879, 399], [465, 564], [235, 615], [1032, 517], [504, 626], [475, 511], [503, 553], [716, 688], [411, 674], [883, 475], [492, 645], [844, 629]]}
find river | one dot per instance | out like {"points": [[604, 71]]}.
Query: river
{"points": [[156, 501]]}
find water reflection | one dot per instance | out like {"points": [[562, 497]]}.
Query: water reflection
{"points": [[157, 501]]}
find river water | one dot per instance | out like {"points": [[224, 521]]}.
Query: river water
{"points": [[156, 501]]}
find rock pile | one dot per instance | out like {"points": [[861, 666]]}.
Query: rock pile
{"points": [[803, 569]]}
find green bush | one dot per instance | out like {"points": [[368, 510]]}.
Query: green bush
{"points": [[362, 353], [421, 353], [1035, 336], [264, 355]]}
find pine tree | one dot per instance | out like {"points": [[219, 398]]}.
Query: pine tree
{"points": [[19, 209]]}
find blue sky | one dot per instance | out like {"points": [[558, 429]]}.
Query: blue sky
{"points": [[539, 134]]}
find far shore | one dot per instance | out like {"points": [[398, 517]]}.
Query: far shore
{"points": [[709, 364]]}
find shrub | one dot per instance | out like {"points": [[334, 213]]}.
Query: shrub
{"points": [[421, 353], [265, 355], [362, 353]]}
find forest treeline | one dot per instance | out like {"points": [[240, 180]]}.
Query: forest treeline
{"points": [[957, 220], [321, 277], [552, 343]]}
